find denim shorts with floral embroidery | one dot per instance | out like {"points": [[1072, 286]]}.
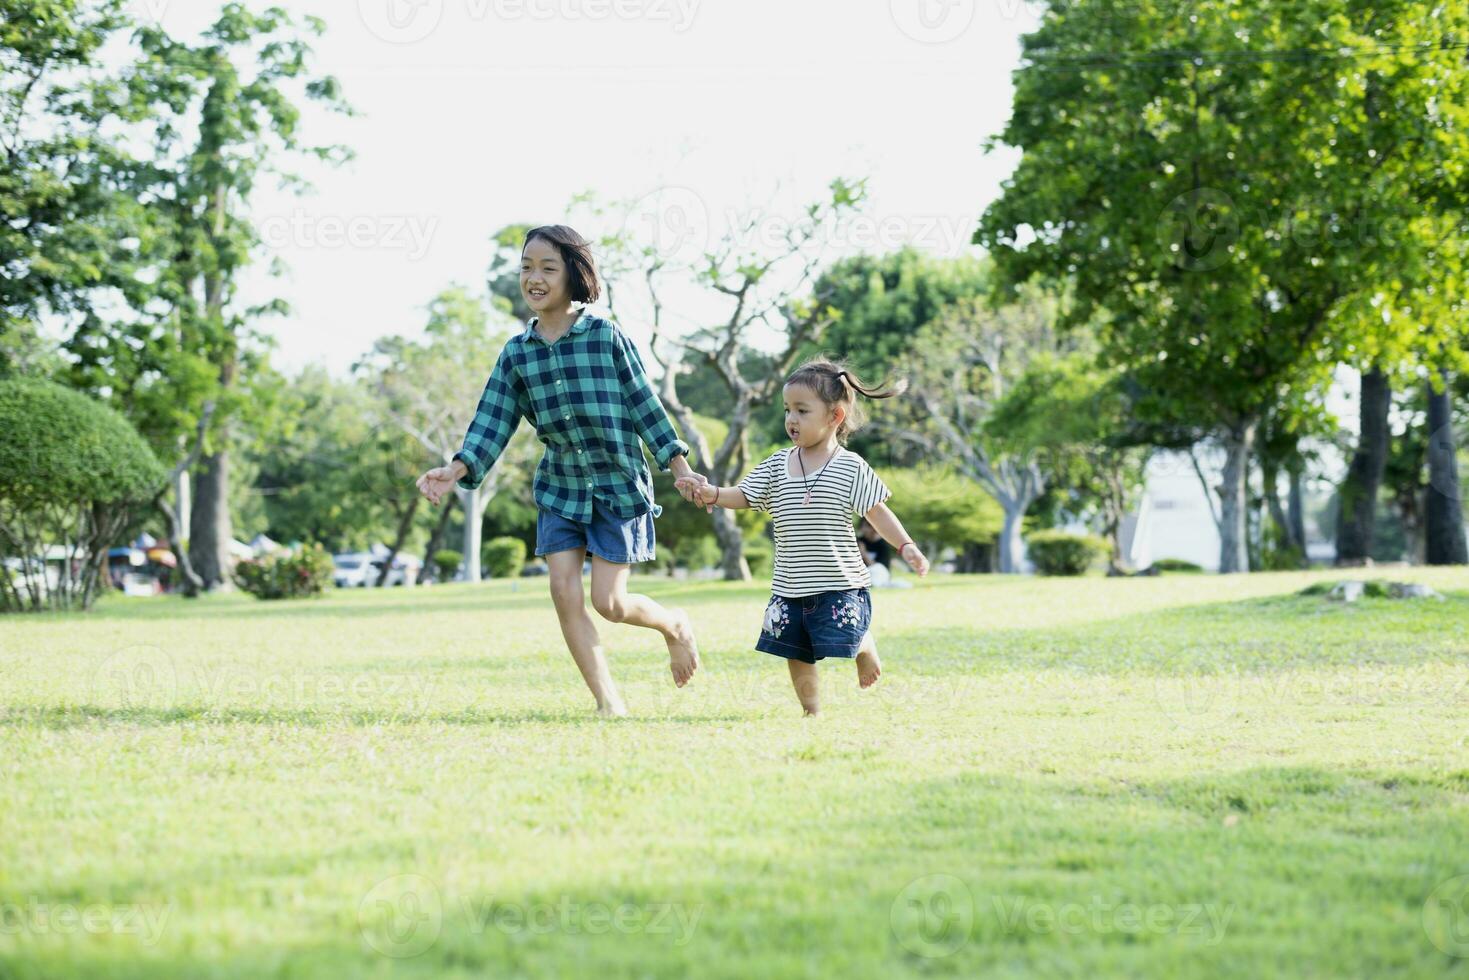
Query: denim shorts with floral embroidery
{"points": [[814, 627]]}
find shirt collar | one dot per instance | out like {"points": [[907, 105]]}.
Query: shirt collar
{"points": [[581, 324]]}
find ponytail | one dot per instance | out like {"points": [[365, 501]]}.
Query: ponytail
{"points": [[836, 385]]}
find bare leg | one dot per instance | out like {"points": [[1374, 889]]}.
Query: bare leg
{"points": [[612, 600], [869, 668], [580, 631], [806, 682]]}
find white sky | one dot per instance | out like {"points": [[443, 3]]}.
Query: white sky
{"points": [[481, 113]]}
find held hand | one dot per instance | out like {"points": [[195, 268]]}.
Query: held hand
{"points": [[915, 558], [696, 488], [437, 482]]}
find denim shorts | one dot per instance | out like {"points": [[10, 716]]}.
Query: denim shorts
{"points": [[814, 627], [619, 541]]}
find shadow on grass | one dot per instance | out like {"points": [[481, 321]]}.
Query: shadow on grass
{"points": [[1258, 872], [80, 716]]}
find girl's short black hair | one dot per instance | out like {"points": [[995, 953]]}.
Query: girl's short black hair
{"points": [[576, 252]]}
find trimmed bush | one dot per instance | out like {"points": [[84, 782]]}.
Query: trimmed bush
{"points": [[297, 574], [503, 557], [72, 471], [1065, 553], [1176, 565], [447, 562]]}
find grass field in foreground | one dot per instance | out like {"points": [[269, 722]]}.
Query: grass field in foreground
{"points": [[1183, 776]]}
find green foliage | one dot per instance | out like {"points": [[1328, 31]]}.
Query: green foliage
{"points": [[302, 573], [1065, 553], [503, 557], [1176, 565], [884, 300], [696, 553], [760, 556], [72, 472], [59, 445], [938, 506], [447, 562]]}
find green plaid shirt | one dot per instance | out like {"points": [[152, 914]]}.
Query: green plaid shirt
{"points": [[590, 401]]}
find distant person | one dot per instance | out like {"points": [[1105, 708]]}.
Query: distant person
{"points": [[821, 605], [580, 382], [877, 554]]}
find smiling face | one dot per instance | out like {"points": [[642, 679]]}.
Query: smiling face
{"points": [[544, 283], [809, 420]]}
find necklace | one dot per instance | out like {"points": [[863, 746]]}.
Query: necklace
{"points": [[820, 473]]}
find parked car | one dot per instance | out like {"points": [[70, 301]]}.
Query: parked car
{"points": [[354, 571], [33, 573]]}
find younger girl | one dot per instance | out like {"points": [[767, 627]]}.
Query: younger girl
{"points": [[821, 605], [580, 382]]}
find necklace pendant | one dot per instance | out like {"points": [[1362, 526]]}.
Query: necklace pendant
{"points": [[808, 498]]}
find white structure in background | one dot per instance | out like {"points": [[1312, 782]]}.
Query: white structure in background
{"points": [[1173, 519]]}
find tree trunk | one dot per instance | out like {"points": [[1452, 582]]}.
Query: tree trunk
{"points": [[405, 526], [435, 544], [211, 531], [1239, 443], [731, 546], [474, 503], [1355, 518], [1444, 510], [1012, 548], [190, 582], [1285, 528], [1296, 511]]}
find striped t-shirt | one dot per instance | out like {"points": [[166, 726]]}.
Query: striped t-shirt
{"points": [[815, 547]]}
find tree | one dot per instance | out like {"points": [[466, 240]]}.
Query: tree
{"points": [[69, 230], [1076, 417], [961, 368], [72, 474], [221, 114], [884, 300], [1298, 166]]}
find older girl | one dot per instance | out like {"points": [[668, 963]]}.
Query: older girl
{"points": [[580, 382]]}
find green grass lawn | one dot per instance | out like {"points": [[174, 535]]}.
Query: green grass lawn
{"points": [[1184, 776]]}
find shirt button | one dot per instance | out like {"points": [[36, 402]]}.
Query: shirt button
{"points": [[567, 416], [579, 450], [558, 381]]}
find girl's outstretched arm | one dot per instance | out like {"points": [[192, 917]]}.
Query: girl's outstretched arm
{"points": [[887, 524]]}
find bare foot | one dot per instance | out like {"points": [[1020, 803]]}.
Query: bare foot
{"points": [[869, 668], [683, 654], [612, 709]]}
